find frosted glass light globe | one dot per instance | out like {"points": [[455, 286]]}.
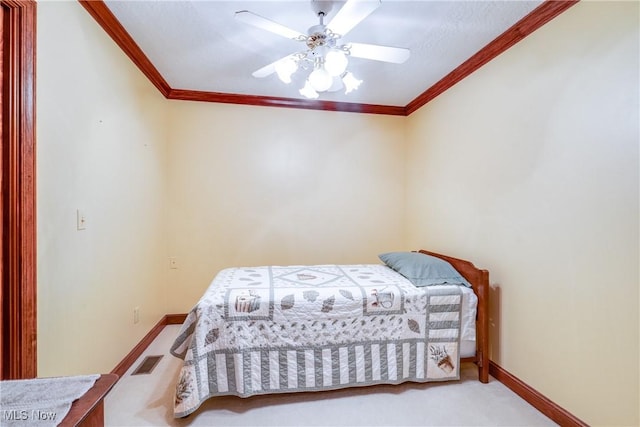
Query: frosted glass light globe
{"points": [[320, 80], [308, 92], [285, 69], [351, 83], [335, 63]]}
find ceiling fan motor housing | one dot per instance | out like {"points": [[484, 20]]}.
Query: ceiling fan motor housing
{"points": [[320, 39], [321, 6]]}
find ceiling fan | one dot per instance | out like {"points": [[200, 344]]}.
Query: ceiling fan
{"points": [[324, 53]]}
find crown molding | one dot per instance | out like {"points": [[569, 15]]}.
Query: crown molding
{"points": [[270, 101], [107, 20], [534, 20], [527, 25]]}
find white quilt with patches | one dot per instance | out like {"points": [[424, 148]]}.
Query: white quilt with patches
{"points": [[305, 328]]}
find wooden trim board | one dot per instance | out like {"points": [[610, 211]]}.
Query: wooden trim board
{"points": [[136, 352], [527, 25], [535, 398], [88, 410], [175, 319], [18, 207], [110, 24]]}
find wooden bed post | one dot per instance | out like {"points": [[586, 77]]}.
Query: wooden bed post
{"points": [[482, 326], [480, 281]]}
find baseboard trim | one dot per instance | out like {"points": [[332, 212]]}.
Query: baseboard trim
{"points": [[175, 319], [556, 413], [130, 359]]}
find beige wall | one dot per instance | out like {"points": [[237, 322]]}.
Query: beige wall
{"points": [[99, 149], [256, 186], [213, 185], [529, 167]]}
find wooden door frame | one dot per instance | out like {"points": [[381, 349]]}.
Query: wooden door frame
{"points": [[18, 208]]}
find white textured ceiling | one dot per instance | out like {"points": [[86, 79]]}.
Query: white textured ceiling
{"points": [[198, 45]]}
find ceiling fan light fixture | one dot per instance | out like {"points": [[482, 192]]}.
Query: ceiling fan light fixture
{"points": [[325, 56], [285, 69], [351, 83], [308, 92], [320, 79], [335, 62]]}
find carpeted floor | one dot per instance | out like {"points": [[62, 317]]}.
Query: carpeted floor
{"points": [[146, 400]]}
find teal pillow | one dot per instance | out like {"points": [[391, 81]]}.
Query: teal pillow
{"points": [[422, 269]]}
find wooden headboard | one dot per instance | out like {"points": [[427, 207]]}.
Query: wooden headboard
{"points": [[479, 279]]}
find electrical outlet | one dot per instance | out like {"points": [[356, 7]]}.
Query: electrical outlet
{"points": [[173, 263], [136, 314], [81, 219]]}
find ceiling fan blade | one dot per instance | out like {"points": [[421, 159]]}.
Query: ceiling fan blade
{"points": [[397, 55], [351, 14], [267, 70], [267, 24]]}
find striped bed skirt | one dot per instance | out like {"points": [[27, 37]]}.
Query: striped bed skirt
{"points": [[264, 371]]}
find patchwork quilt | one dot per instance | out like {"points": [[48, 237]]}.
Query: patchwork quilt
{"points": [[279, 329]]}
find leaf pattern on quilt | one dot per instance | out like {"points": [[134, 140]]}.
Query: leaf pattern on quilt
{"points": [[413, 325], [212, 336], [327, 305], [183, 389], [347, 294], [311, 296], [287, 302]]}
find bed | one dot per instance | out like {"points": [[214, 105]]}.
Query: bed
{"points": [[281, 329]]}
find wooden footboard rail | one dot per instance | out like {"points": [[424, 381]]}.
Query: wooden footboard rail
{"points": [[88, 410], [480, 280]]}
